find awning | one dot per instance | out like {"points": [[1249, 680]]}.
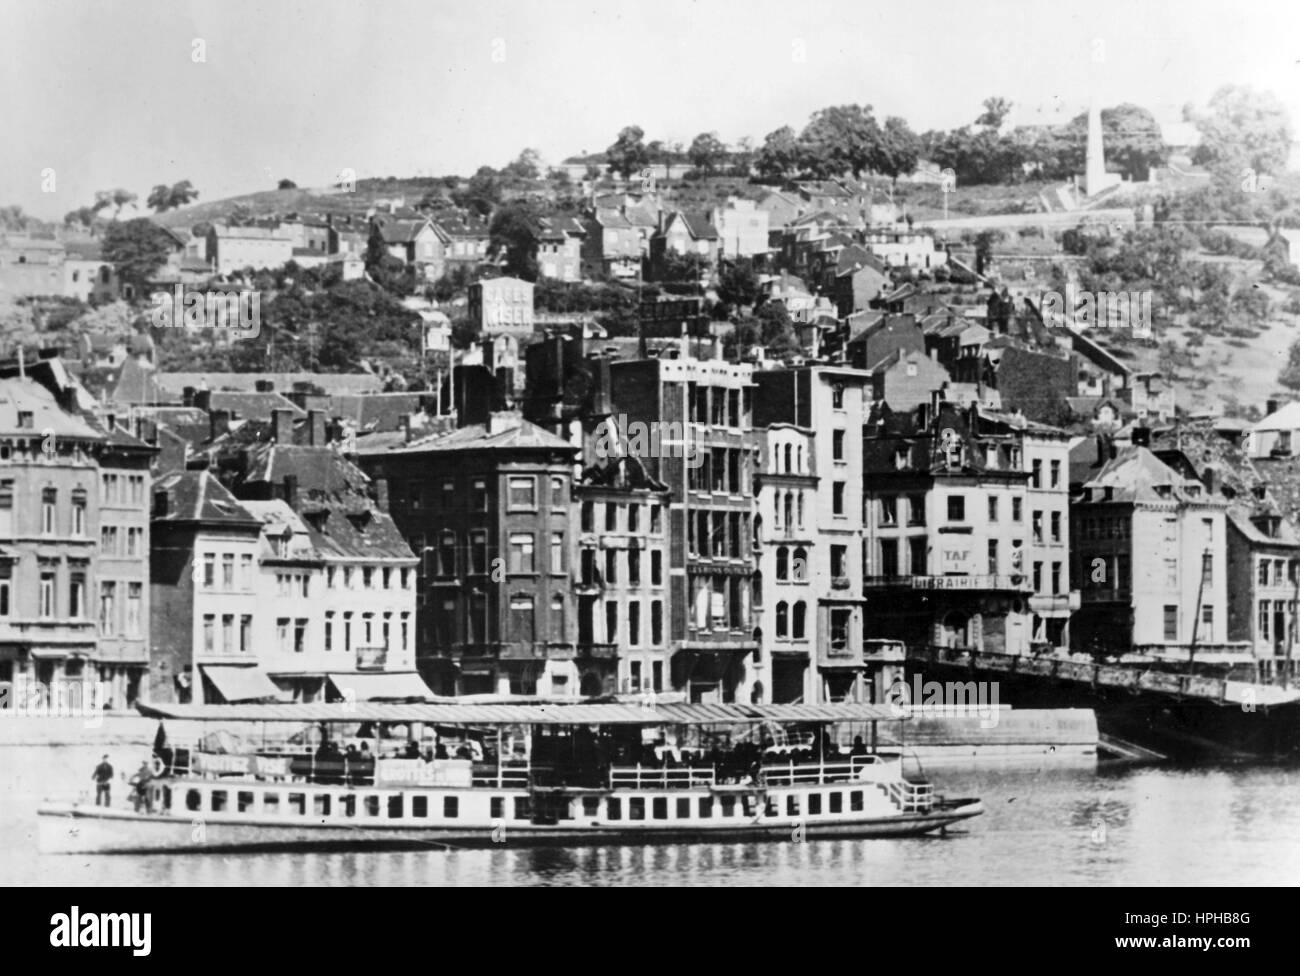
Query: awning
{"points": [[382, 686], [242, 684], [443, 712]]}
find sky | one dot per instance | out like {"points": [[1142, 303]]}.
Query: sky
{"points": [[235, 95]]}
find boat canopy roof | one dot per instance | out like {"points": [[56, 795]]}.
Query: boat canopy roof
{"points": [[581, 713]]}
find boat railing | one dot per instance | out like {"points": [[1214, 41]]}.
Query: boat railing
{"points": [[910, 797], [868, 768], [514, 774], [662, 777]]}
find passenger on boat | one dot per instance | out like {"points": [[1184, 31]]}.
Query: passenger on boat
{"points": [[412, 749], [441, 752], [859, 747], [142, 796]]}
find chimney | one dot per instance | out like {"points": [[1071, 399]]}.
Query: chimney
{"points": [[282, 426], [381, 490], [1141, 436], [159, 504], [1270, 408], [218, 423], [187, 396], [1208, 479], [316, 428], [406, 428], [202, 399], [291, 490], [500, 421]]}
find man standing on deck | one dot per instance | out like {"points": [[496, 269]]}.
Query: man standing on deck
{"points": [[103, 777]]}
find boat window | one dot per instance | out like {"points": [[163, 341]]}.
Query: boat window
{"points": [[218, 800], [749, 804], [683, 808], [772, 810], [349, 806], [728, 806], [855, 800], [167, 797], [498, 805], [372, 805], [837, 802], [706, 807], [792, 805], [419, 806], [614, 808], [322, 804], [814, 803], [591, 806], [660, 808], [636, 808], [243, 801], [298, 804], [193, 800], [271, 803], [395, 807], [523, 808], [451, 806]]}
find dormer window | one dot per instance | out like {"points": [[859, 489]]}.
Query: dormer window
{"points": [[26, 420], [900, 459]]}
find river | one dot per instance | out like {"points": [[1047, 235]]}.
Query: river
{"points": [[1045, 824]]}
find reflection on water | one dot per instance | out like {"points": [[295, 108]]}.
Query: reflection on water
{"points": [[1044, 825]]}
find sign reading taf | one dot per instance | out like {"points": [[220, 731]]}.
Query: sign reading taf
{"points": [[1102, 309], [240, 312]]}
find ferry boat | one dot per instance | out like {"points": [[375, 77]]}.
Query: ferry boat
{"points": [[477, 774]]}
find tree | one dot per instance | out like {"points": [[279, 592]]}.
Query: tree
{"points": [[1243, 129], [117, 199], [839, 139], [707, 152], [526, 166], [286, 185], [482, 193], [513, 236], [778, 160], [137, 249], [1290, 375], [898, 151], [738, 284], [628, 154], [85, 216], [995, 113]]}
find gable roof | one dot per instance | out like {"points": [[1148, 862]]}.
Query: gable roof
{"points": [[1285, 418], [514, 434], [197, 496]]}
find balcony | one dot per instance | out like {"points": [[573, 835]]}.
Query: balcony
{"points": [[371, 658], [48, 631], [839, 582], [1055, 602], [1014, 583], [598, 652]]}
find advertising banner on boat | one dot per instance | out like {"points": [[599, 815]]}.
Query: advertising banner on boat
{"points": [[417, 772]]}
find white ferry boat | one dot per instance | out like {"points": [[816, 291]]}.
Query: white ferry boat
{"points": [[479, 774]]}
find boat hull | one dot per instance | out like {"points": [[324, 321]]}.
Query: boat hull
{"points": [[78, 829]]}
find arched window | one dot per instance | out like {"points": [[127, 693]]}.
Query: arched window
{"points": [[788, 451], [756, 589], [782, 619], [782, 563], [800, 509], [797, 630], [758, 531], [789, 510], [801, 564], [798, 460]]}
